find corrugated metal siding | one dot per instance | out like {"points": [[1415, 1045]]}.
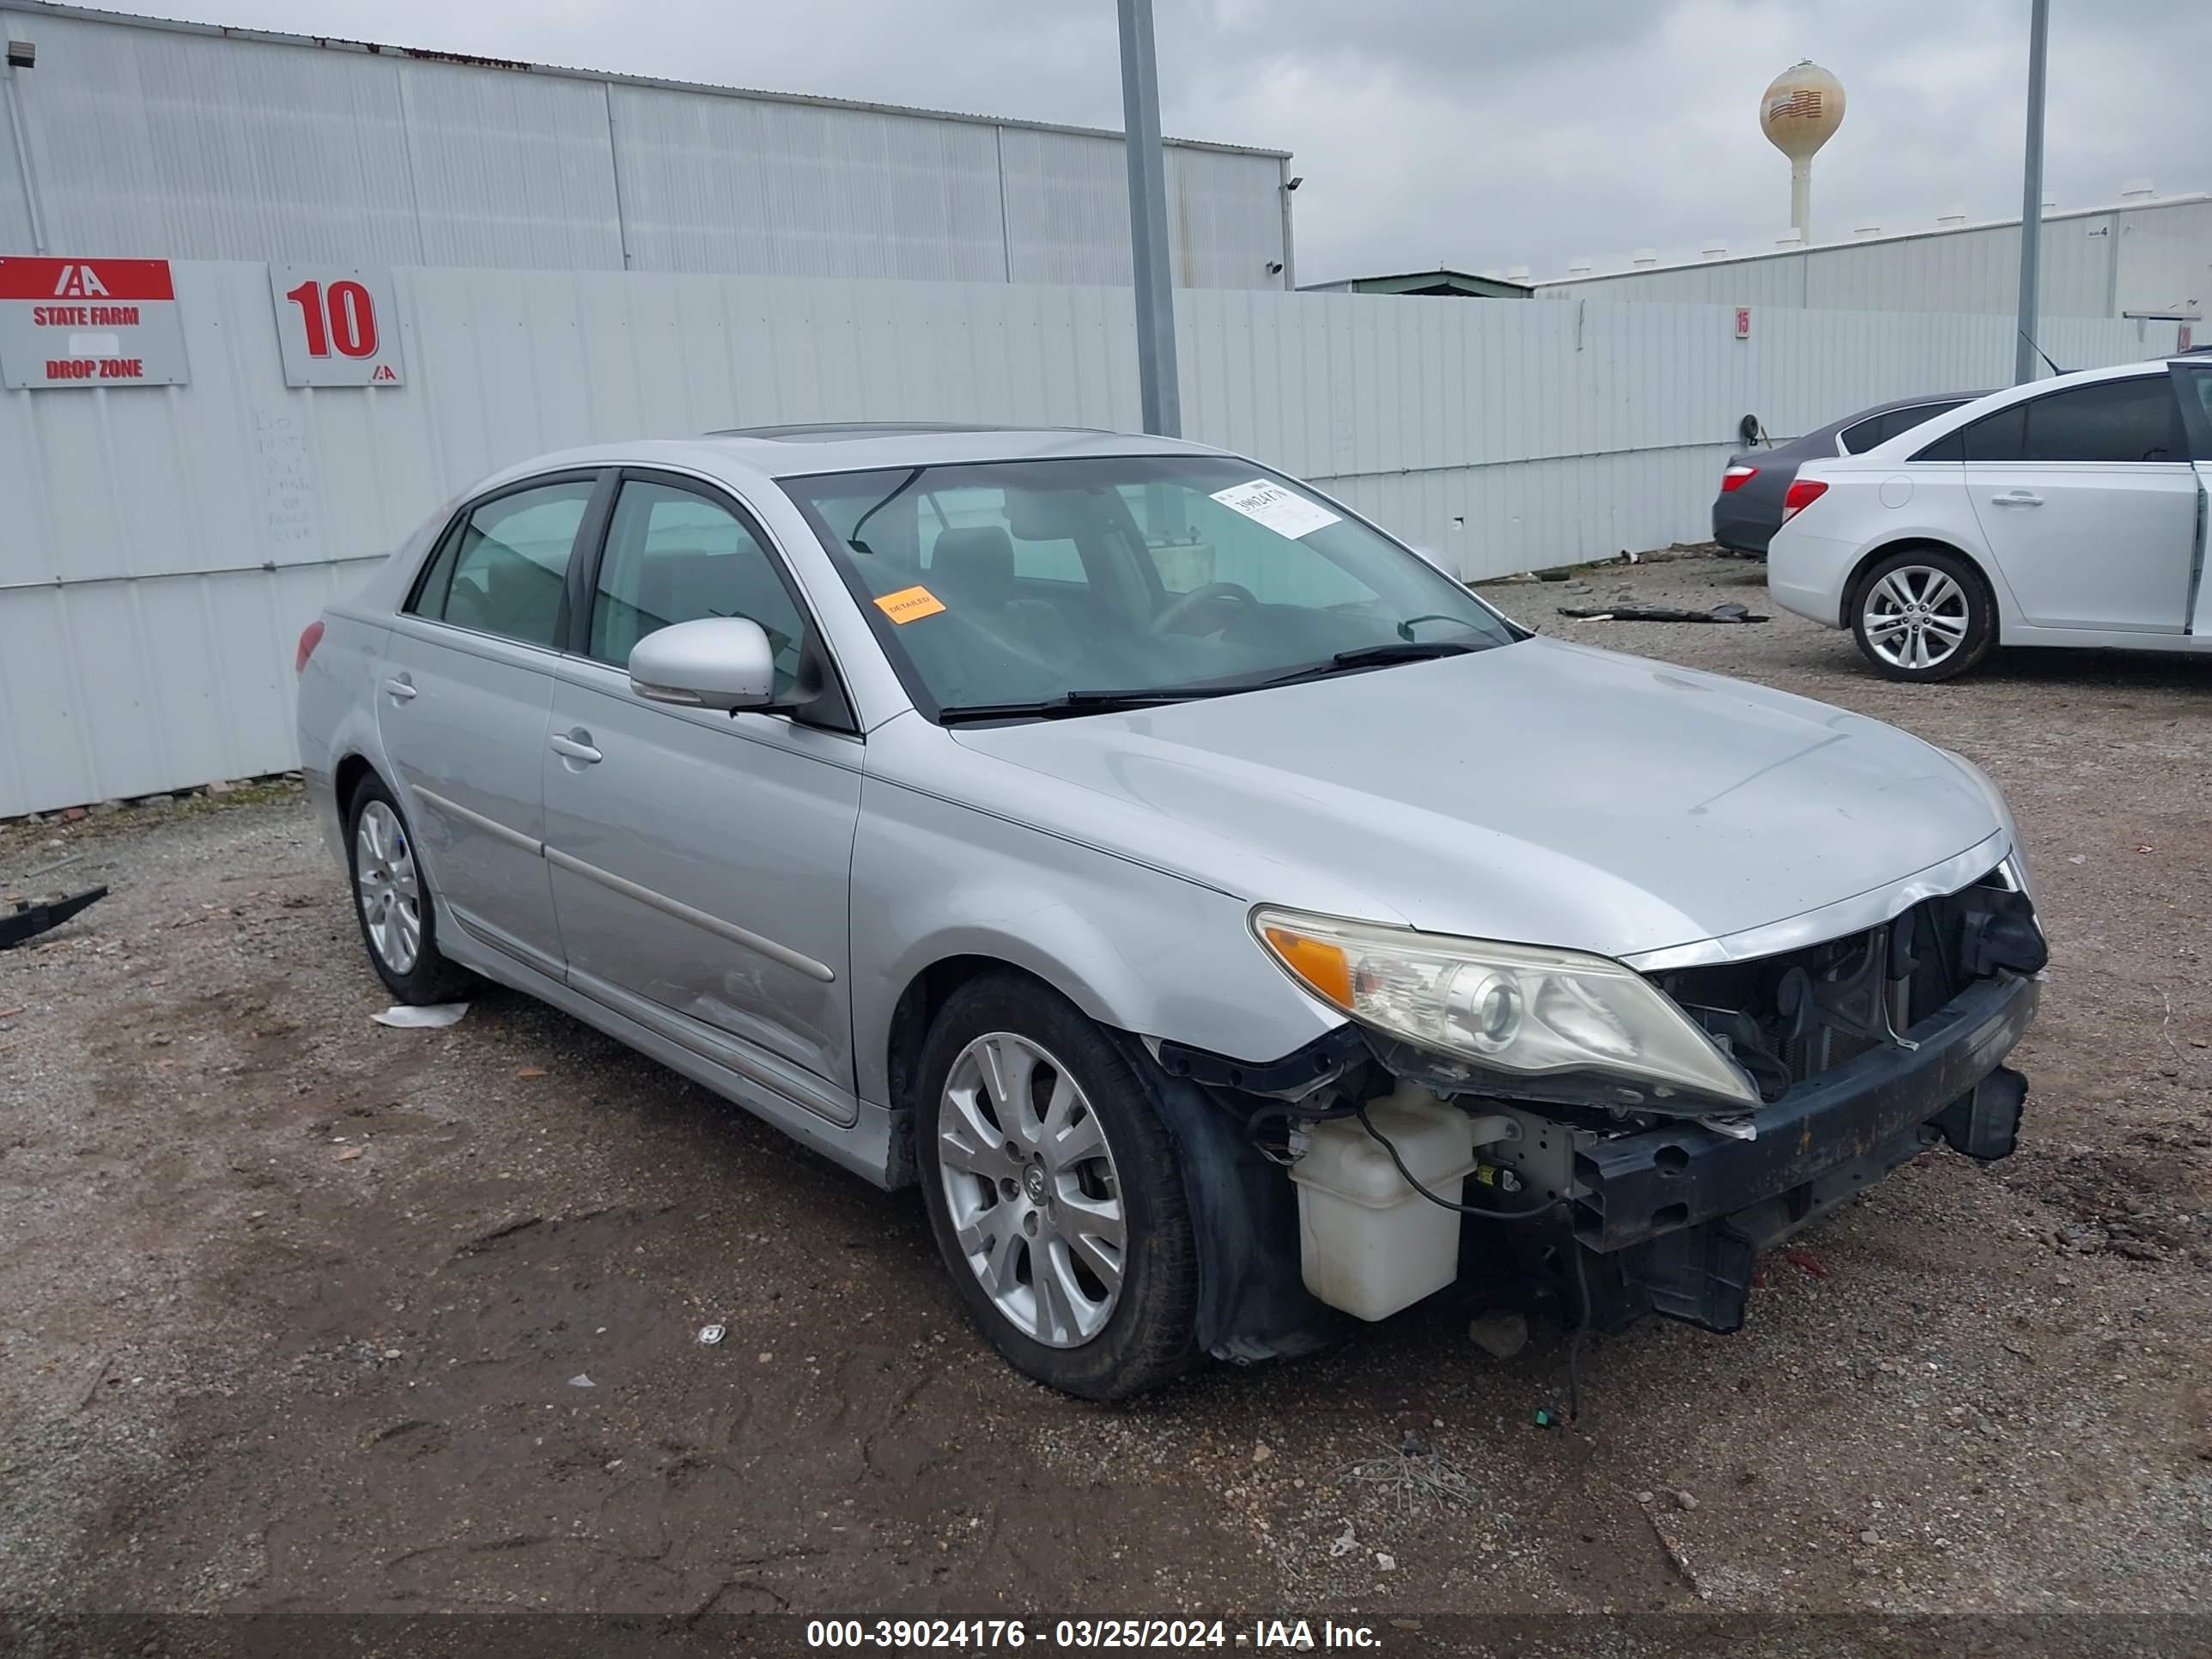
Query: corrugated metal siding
{"points": [[191, 147], [2087, 259], [2165, 261], [724, 184], [509, 170], [1225, 217], [1066, 206], [15, 209], [148, 140], [165, 546], [1067, 212]]}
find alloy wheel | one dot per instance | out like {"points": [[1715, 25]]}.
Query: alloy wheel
{"points": [[1034, 1196], [1915, 617], [387, 887]]}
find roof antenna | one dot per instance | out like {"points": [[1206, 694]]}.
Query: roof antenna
{"points": [[2040, 352]]}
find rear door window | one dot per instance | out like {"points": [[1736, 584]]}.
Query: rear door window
{"points": [[2134, 420], [1997, 438], [503, 568]]}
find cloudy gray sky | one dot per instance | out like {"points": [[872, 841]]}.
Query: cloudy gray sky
{"points": [[1473, 133]]}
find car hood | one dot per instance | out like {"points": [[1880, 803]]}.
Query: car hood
{"points": [[1541, 792]]}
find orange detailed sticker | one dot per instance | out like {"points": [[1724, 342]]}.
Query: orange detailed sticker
{"points": [[909, 605]]}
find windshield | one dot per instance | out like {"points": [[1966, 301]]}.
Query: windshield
{"points": [[1015, 583]]}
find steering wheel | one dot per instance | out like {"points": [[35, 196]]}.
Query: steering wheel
{"points": [[1180, 608]]}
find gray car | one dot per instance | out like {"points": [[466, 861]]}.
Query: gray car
{"points": [[1754, 490], [1235, 927]]}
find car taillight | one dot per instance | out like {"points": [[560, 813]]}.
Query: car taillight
{"points": [[310, 637], [1736, 478], [1803, 492]]}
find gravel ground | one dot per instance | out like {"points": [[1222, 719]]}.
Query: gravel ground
{"points": [[300, 1314]]}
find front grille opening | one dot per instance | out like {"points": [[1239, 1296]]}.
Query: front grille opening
{"points": [[1790, 1018]]}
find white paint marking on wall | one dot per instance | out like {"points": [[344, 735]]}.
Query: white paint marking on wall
{"points": [[284, 467]]}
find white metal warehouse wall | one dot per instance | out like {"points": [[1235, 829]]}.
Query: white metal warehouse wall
{"points": [[161, 548], [196, 143], [2143, 259]]}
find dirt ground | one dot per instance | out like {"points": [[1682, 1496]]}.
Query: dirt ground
{"points": [[298, 1313]]}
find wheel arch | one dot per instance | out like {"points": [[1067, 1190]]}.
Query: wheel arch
{"points": [[1907, 543], [1252, 1301], [346, 776], [916, 1010]]}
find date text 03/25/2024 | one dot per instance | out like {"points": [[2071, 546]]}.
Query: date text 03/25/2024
{"points": [[917, 1635]]}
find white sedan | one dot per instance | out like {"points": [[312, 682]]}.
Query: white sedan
{"points": [[2064, 512]]}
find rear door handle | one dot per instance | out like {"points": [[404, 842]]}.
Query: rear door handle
{"points": [[577, 746], [2017, 498], [401, 688]]}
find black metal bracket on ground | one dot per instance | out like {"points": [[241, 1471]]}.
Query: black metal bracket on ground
{"points": [[28, 921], [1660, 613]]}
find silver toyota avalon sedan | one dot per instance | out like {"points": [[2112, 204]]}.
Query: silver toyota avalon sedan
{"points": [[1234, 927]]}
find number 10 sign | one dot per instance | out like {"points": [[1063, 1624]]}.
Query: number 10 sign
{"points": [[335, 324]]}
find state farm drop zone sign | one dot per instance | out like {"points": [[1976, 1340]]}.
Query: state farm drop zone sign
{"points": [[84, 323]]}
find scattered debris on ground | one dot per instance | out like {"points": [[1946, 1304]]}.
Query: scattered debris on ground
{"points": [[1662, 613]]}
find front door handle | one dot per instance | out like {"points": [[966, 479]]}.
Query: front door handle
{"points": [[401, 689], [2017, 498], [575, 746]]}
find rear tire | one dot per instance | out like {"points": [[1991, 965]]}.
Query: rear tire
{"points": [[392, 901], [1924, 614], [1053, 1191]]}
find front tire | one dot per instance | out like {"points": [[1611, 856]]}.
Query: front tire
{"points": [[1053, 1191], [1925, 614], [392, 901]]}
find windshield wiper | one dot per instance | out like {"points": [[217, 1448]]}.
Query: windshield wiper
{"points": [[1101, 702], [1379, 656], [1085, 703]]}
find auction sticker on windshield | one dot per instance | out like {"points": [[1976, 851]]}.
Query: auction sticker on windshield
{"points": [[1283, 511]]}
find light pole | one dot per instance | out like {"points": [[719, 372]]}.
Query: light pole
{"points": [[2030, 205], [1148, 222]]}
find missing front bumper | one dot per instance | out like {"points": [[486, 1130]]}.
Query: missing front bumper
{"points": [[1678, 1215]]}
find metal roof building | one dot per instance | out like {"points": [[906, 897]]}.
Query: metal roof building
{"points": [[2145, 256], [138, 135], [1441, 282]]}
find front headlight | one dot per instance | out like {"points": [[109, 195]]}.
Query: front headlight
{"points": [[1987, 785], [1510, 1008]]}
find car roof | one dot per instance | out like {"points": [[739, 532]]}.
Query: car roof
{"points": [[1821, 439], [798, 450], [1911, 402], [1967, 413]]}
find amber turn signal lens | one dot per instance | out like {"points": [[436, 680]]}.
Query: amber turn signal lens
{"points": [[1324, 967]]}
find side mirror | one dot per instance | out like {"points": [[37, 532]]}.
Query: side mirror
{"points": [[716, 662]]}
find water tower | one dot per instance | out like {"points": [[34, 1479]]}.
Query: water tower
{"points": [[1799, 112]]}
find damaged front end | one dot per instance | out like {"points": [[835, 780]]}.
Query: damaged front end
{"points": [[1613, 1201]]}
